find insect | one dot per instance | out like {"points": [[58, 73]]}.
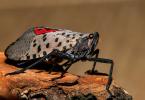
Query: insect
{"points": [[45, 44]]}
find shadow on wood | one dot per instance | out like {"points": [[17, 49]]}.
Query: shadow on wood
{"points": [[36, 84]]}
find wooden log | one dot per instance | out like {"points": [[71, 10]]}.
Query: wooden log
{"points": [[35, 84]]}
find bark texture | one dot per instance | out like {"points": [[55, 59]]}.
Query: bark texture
{"points": [[37, 84]]}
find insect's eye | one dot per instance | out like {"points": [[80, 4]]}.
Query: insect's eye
{"points": [[91, 36]]}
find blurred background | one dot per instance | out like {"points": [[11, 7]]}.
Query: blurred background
{"points": [[121, 24]]}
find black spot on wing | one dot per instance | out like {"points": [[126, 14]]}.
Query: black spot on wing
{"points": [[27, 54], [56, 39], [47, 45], [63, 33], [81, 34], [34, 56], [28, 57], [44, 53], [34, 44], [44, 36], [44, 39], [59, 44], [67, 41], [67, 35], [34, 41], [39, 48], [73, 37], [64, 48], [70, 45]]}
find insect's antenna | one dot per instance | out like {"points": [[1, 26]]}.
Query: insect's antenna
{"points": [[95, 41]]}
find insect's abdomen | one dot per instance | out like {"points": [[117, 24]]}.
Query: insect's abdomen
{"points": [[20, 47]]}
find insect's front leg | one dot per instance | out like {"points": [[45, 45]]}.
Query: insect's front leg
{"points": [[108, 61], [93, 71], [96, 56]]}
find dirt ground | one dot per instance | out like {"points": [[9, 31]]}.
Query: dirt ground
{"points": [[121, 25]]}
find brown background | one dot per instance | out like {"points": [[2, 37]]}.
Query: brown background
{"points": [[121, 24]]}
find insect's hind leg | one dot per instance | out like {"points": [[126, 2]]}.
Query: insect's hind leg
{"points": [[55, 52], [22, 63], [30, 66], [103, 60]]}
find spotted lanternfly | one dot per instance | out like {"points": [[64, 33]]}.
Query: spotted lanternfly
{"points": [[45, 44]]}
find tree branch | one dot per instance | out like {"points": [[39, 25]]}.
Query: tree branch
{"points": [[34, 84]]}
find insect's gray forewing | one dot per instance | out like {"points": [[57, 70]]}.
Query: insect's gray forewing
{"points": [[45, 43], [19, 48], [31, 46]]}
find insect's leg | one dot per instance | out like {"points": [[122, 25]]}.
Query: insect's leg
{"points": [[94, 64], [109, 61], [62, 55], [59, 65], [22, 70], [50, 70], [71, 59], [23, 63], [67, 67]]}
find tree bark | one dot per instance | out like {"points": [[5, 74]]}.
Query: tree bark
{"points": [[37, 84]]}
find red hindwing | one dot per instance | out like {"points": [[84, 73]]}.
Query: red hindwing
{"points": [[39, 31]]}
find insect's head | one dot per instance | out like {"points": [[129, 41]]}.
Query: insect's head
{"points": [[87, 42], [93, 40]]}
